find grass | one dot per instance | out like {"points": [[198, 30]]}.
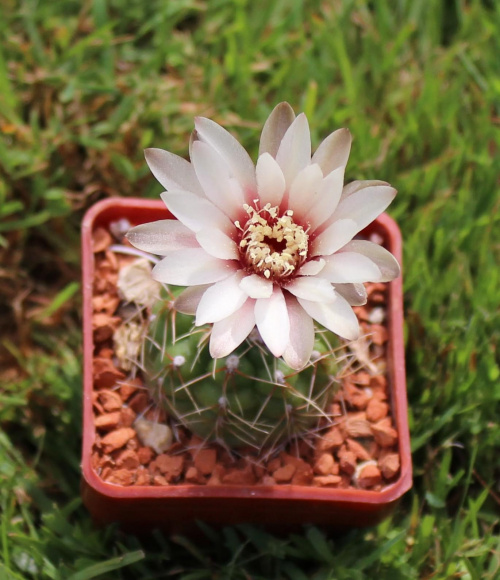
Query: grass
{"points": [[86, 86]]}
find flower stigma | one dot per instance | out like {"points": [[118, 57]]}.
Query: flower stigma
{"points": [[271, 245]]}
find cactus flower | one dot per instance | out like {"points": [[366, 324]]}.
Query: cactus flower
{"points": [[267, 245]]}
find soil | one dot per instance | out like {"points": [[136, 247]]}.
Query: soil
{"points": [[359, 450]]}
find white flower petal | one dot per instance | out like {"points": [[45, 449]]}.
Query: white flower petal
{"points": [[172, 171], [270, 180], [355, 294], [192, 267], [333, 151], [333, 238], [271, 318], [383, 259], [161, 237], [304, 189], [354, 186], [231, 151], [311, 268], [364, 205], [298, 350], [257, 286], [192, 140], [214, 176], [230, 332], [274, 129], [188, 300], [217, 244], [327, 199], [196, 212], [312, 288], [336, 316], [294, 153], [349, 267], [221, 300]]}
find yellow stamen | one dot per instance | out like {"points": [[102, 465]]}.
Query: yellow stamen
{"points": [[273, 247]]}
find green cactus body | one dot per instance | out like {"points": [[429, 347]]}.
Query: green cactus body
{"points": [[248, 398]]}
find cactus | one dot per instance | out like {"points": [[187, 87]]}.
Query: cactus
{"points": [[249, 398]]}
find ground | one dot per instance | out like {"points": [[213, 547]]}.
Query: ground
{"points": [[85, 87]]}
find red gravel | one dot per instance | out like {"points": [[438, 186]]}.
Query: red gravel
{"points": [[359, 450]]}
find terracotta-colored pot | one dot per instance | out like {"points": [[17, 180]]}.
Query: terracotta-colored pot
{"points": [[176, 508]]}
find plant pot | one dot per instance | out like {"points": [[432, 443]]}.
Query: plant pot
{"points": [[175, 508]]}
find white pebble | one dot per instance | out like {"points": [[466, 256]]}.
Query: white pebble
{"points": [[155, 435], [120, 227], [376, 239], [377, 315]]}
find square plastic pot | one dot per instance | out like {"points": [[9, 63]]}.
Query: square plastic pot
{"points": [[176, 508]]}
